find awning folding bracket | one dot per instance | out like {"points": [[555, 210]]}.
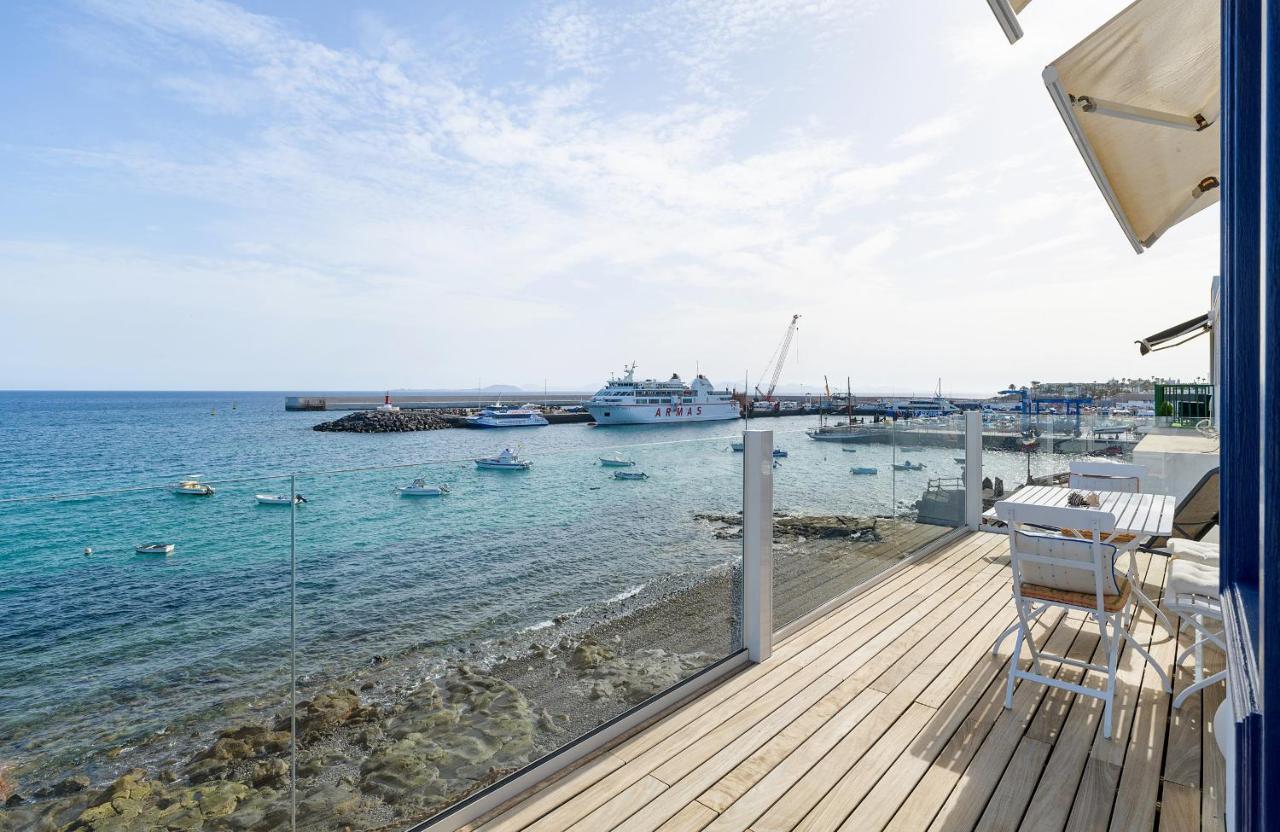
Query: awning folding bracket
{"points": [[1204, 186], [1103, 107]]}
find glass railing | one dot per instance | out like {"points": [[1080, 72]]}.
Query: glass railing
{"points": [[853, 500], [433, 628]]}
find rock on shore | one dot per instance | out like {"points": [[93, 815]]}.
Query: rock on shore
{"points": [[385, 421], [819, 527]]}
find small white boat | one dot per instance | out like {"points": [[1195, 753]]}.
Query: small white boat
{"points": [[508, 460], [278, 499], [630, 475], [192, 487], [154, 549], [737, 446], [778, 452], [616, 461], [862, 469], [420, 488], [908, 466]]}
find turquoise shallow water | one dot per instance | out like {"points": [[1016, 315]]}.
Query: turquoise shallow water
{"points": [[114, 650]]}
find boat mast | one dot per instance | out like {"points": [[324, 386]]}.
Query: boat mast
{"points": [[848, 398]]}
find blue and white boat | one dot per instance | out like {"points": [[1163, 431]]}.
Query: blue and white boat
{"points": [[500, 417], [630, 475], [616, 461], [863, 470]]}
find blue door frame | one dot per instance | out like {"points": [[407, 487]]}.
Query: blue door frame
{"points": [[1250, 341]]}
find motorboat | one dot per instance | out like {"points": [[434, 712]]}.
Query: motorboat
{"points": [[154, 549], [192, 487], [630, 475], [960, 460], [279, 499], [862, 469], [850, 450], [908, 465], [779, 453], [421, 488], [616, 461], [508, 460], [737, 445]]}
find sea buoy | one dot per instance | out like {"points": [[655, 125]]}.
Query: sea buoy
{"points": [[88, 550]]}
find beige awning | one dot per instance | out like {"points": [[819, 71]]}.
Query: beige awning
{"points": [[1141, 97], [1006, 12]]}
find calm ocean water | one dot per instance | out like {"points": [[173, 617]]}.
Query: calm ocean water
{"points": [[115, 650]]}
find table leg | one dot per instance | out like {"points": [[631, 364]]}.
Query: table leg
{"points": [[1136, 587]]}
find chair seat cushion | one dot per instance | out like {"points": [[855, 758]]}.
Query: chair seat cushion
{"points": [[1193, 550], [1088, 600], [1186, 577]]}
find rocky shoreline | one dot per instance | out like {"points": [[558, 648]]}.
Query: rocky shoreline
{"points": [[386, 746], [385, 421]]}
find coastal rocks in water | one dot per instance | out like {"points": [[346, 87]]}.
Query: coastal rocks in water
{"points": [[637, 676], [447, 739], [383, 421], [818, 527], [236, 750], [590, 654], [327, 711]]}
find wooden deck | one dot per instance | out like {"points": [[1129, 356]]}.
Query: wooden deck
{"points": [[888, 714]]}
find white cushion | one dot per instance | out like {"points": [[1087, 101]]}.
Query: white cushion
{"points": [[1066, 578], [1187, 577], [1193, 550]]}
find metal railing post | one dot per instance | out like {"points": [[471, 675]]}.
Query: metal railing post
{"points": [[757, 543], [973, 469]]}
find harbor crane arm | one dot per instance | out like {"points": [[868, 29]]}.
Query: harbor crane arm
{"points": [[780, 357]]}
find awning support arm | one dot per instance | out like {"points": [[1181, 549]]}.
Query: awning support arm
{"points": [[1205, 185], [1103, 107], [1007, 18]]}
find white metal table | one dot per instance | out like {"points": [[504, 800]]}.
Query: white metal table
{"points": [[1138, 518]]}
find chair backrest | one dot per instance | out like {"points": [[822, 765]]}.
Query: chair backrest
{"points": [[1069, 564], [1093, 482], [1107, 476], [1197, 512]]}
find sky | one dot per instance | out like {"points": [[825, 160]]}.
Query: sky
{"points": [[333, 196]]}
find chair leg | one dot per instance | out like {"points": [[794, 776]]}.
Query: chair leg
{"points": [[1037, 610], [1025, 634], [1110, 631], [1013, 670]]}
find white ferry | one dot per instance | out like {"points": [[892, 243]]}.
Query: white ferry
{"points": [[499, 417], [923, 407], [626, 401]]}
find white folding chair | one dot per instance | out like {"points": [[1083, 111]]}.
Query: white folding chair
{"points": [[1076, 574]]}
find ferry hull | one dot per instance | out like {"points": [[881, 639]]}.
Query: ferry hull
{"points": [[647, 414]]}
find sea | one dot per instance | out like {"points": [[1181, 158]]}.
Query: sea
{"points": [[106, 650]]}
